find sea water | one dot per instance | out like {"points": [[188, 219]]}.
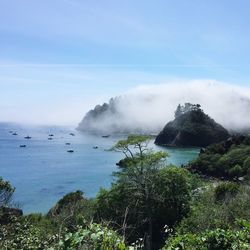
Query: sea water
{"points": [[44, 170]]}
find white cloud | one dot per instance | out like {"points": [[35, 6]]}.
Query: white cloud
{"points": [[150, 107]]}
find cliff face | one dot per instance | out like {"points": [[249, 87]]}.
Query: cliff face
{"points": [[191, 127]]}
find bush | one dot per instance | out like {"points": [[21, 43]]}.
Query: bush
{"points": [[246, 164], [233, 163], [93, 236], [21, 234], [217, 207], [226, 190], [71, 210], [129, 206], [6, 192], [218, 239]]}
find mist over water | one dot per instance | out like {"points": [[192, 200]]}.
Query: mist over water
{"points": [[150, 107]]}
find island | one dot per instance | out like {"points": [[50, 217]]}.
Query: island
{"points": [[191, 128]]}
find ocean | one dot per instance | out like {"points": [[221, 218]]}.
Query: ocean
{"points": [[44, 171]]}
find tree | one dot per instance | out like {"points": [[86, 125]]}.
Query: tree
{"points": [[129, 146], [6, 192], [178, 111], [186, 108], [145, 194], [140, 177]]}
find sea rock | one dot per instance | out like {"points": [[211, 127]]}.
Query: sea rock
{"points": [[191, 127]]}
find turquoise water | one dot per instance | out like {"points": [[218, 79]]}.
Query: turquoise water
{"points": [[43, 171]]}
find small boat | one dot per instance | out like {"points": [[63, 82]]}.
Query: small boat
{"points": [[51, 135], [72, 134], [67, 143], [106, 136], [22, 146], [27, 137], [14, 133], [95, 147], [70, 151], [50, 138]]}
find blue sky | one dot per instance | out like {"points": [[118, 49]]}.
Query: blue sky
{"points": [[60, 57]]}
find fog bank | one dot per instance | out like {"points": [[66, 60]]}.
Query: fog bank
{"points": [[148, 108]]}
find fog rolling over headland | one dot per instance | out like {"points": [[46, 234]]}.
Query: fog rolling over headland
{"points": [[148, 108]]}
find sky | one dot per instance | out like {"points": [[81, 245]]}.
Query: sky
{"points": [[58, 58]]}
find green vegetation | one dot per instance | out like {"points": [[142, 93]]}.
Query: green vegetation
{"points": [[229, 159], [27, 232], [212, 208], [93, 236], [146, 196], [150, 205], [218, 239], [6, 192], [70, 211]]}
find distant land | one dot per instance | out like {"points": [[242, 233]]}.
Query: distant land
{"points": [[148, 111]]}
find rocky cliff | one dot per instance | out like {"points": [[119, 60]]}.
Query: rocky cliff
{"points": [[191, 127]]}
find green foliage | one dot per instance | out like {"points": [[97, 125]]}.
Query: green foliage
{"points": [[145, 200], [21, 234], [217, 207], [71, 210], [227, 159], [146, 196], [149, 159], [218, 239], [68, 201], [226, 190], [93, 236], [6, 192], [45, 224], [173, 190], [69, 198], [134, 145], [246, 164]]}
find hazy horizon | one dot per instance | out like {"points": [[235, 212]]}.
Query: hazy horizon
{"points": [[160, 100]]}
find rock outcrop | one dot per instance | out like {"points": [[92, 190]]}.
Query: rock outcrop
{"points": [[191, 127]]}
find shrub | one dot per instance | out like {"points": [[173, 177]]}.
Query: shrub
{"points": [[226, 190], [218, 239], [71, 210], [93, 236], [6, 192], [233, 163], [22, 235]]}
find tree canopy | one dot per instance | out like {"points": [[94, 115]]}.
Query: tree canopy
{"points": [[6, 192], [146, 195]]}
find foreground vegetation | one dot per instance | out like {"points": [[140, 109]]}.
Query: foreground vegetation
{"points": [[150, 205]]}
